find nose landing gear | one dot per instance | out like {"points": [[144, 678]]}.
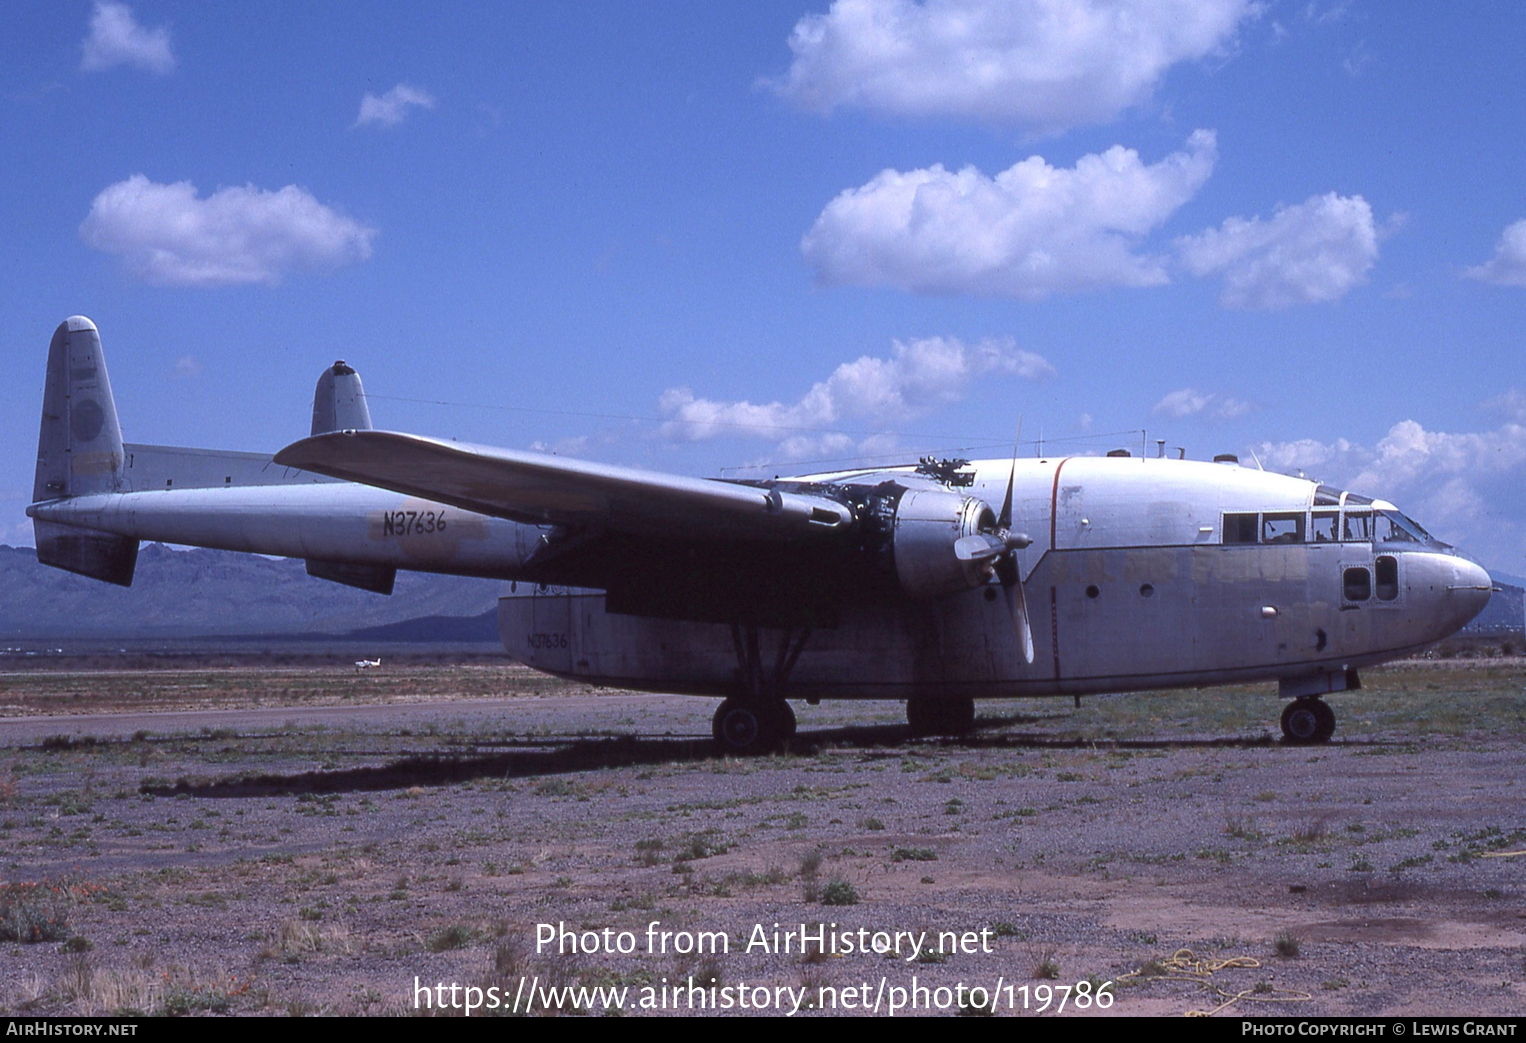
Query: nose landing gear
{"points": [[1307, 721]]}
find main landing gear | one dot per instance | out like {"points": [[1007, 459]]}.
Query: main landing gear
{"points": [[757, 719], [1307, 721], [950, 716]]}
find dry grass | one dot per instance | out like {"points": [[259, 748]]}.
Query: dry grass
{"points": [[1311, 830]]}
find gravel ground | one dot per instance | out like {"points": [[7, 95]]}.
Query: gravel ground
{"points": [[342, 858]]}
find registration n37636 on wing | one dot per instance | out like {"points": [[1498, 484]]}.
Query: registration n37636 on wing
{"points": [[936, 583]]}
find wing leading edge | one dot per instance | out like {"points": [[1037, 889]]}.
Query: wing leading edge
{"points": [[539, 489]]}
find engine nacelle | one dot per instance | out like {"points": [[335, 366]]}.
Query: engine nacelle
{"points": [[927, 525]]}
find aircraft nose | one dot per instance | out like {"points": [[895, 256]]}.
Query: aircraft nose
{"points": [[1469, 590], [1446, 592]]}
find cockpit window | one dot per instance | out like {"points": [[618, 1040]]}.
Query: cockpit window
{"points": [[1358, 526], [1325, 526], [1282, 528], [1327, 496], [1394, 527]]}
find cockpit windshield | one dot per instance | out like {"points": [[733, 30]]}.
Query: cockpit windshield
{"points": [[1394, 527]]}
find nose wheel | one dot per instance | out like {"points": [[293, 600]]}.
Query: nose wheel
{"points": [[1307, 721]]}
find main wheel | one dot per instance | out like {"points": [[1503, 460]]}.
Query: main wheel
{"points": [[751, 727], [959, 716], [1326, 720], [1303, 723], [922, 716]]}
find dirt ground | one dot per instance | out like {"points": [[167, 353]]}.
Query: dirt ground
{"points": [[309, 839]]}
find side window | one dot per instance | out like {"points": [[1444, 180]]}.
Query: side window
{"points": [[1356, 584], [1387, 570], [1282, 528], [1359, 526], [1325, 526], [1240, 528]]}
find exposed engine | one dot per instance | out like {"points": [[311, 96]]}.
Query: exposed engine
{"points": [[912, 532]]}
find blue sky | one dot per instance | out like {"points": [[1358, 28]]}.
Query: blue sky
{"points": [[733, 239]]}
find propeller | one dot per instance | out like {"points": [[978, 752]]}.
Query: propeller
{"points": [[1000, 549]]}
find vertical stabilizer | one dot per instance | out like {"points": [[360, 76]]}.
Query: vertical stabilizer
{"points": [[79, 450], [339, 403]]}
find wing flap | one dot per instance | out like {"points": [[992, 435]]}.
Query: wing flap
{"points": [[540, 489]]}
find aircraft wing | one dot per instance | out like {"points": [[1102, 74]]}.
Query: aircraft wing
{"points": [[539, 489]]}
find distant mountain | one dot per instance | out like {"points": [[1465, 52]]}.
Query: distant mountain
{"points": [[1504, 614], [194, 593]]}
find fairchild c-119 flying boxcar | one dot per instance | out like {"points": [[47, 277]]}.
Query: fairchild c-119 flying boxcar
{"points": [[937, 583]]}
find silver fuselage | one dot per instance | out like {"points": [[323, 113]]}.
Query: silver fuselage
{"points": [[1130, 580]]}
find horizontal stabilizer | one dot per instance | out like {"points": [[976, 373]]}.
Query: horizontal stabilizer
{"points": [[539, 489], [99, 555], [375, 578]]}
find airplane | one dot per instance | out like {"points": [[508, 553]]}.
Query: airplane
{"points": [[366, 664], [937, 583]]}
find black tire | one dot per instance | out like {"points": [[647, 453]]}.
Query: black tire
{"points": [[1326, 720], [959, 716], [1301, 722], [922, 716], [747, 728]]}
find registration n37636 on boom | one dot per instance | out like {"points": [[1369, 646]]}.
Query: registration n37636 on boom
{"points": [[936, 583]]}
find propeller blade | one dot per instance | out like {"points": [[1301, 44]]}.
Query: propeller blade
{"points": [[1005, 521], [981, 546], [1017, 605]]}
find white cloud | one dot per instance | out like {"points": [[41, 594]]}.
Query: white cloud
{"points": [[169, 237], [920, 377], [116, 38], [1190, 402], [1031, 231], [1315, 251], [1467, 487], [1043, 65], [1511, 404], [1508, 265], [392, 107]]}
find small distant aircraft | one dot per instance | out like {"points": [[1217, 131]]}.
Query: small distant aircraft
{"points": [[937, 583], [366, 664]]}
